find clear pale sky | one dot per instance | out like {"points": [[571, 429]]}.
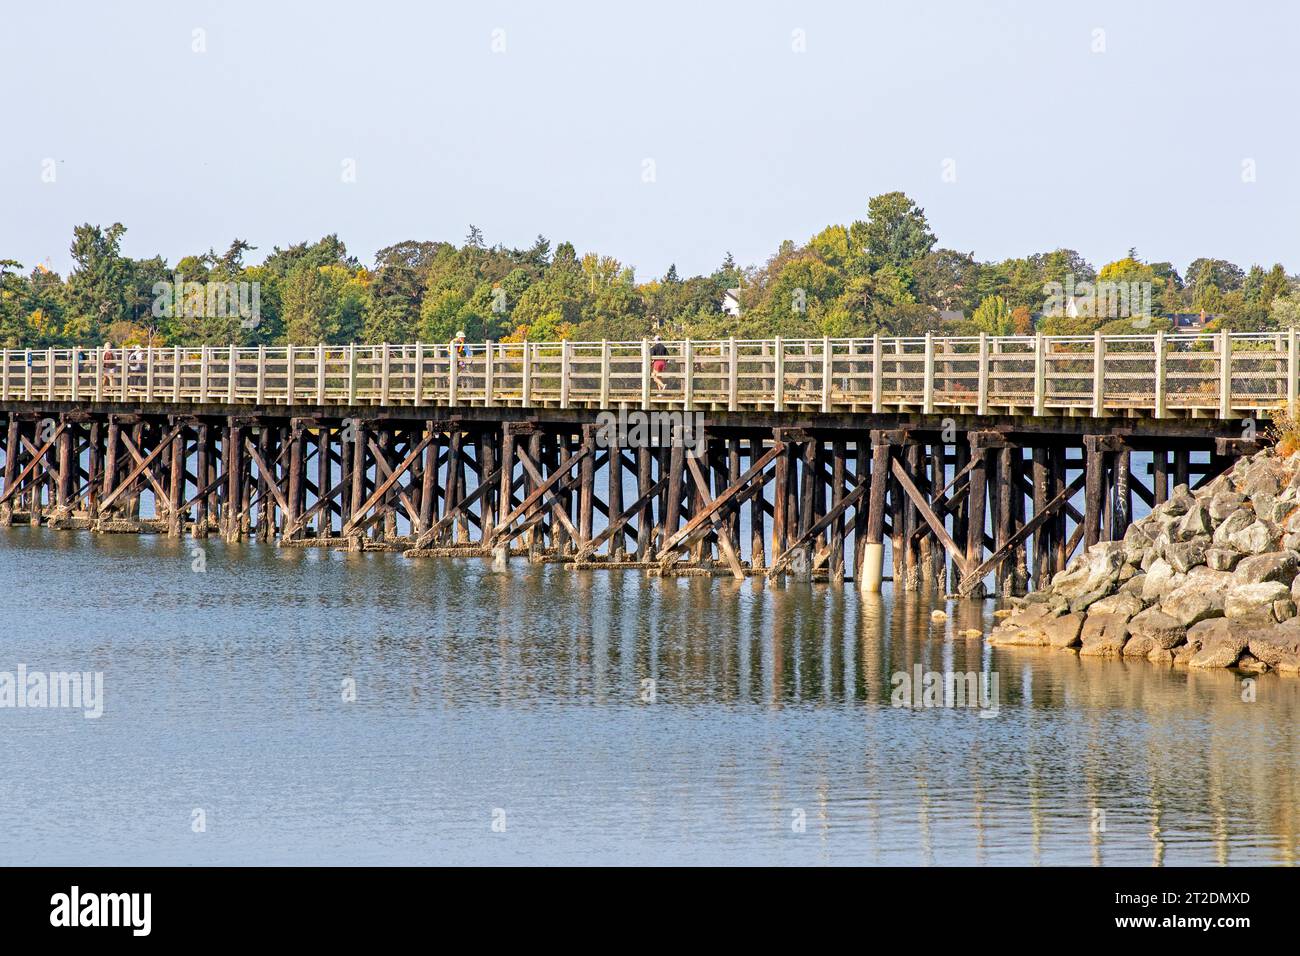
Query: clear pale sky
{"points": [[752, 142]]}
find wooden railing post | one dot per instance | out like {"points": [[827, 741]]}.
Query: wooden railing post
{"points": [[733, 375], [261, 378], [1098, 374], [49, 374], [1040, 373], [290, 374], [453, 376], [604, 373], [27, 375], [899, 369], [645, 373], [4, 376], [877, 374], [564, 373], [927, 388], [688, 376], [148, 375], [203, 374], [73, 355], [1292, 368], [176, 373], [827, 371], [526, 397], [384, 368], [778, 386], [320, 373], [352, 374], [230, 376], [1225, 375], [418, 388], [1159, 346], [489, 374], [982, 377]]}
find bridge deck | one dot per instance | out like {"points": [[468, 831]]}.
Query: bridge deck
{"points": [[1158, 376]]}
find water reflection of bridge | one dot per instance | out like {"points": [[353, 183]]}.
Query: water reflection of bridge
{"points": [[1119, 762], [961, 458]]}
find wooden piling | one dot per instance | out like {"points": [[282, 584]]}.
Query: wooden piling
{"points": [[1094, 490], [758, 507], [874, 547], [614, 491], [1042, 492], [176, 486], [1123, 494], [975, 511], [646, 545]]}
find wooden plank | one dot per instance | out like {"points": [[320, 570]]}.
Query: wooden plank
{"points": [[944, 506], [1141, 490]]}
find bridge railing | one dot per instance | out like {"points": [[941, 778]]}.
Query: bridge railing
{"points": [[1220, 374]]}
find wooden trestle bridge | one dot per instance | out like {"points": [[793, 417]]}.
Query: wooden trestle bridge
{"points": [[975, 459]]}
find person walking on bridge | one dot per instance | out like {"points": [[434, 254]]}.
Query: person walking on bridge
{"points": [[108, 364], [659, 363], [136, 366], [459, 350]]}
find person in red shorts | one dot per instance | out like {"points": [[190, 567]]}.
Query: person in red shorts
{"points": [[659, 363]]}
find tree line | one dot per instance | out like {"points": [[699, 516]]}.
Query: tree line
{"points": [[885, 273]]}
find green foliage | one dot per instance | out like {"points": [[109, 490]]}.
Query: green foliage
{"points": [[322, 304], [896, 232], [1284, 311], [884, 273], [993, 316]]}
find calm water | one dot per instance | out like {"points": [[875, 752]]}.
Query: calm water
{"points": [[518, 696]]}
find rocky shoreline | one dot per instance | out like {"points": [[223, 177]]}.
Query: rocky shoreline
{"points": [[1209, 579]]}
